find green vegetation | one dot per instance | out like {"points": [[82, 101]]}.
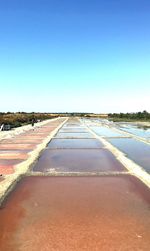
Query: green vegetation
{"points": [[22, 118], [138, 116]]}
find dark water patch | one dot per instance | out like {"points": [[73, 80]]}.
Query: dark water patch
{"points": [[73, 135], [75, 143], [136, 150], [73, 130], [96, 160]]}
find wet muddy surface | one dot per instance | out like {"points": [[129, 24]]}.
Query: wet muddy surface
{"points": [[1, 178], [35, 137], [16, 146], [74, 143], [12, 155], [18, 143], [86, 213], [79, 160], [135, 150], [15, 150], [7, 162], [6, 169], [21, 141]]}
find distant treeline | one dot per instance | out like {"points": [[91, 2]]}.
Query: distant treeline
{"points": [[130, 116], [75, 114], [22, 118]]}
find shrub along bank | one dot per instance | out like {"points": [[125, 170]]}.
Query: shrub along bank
{"points": [[22, 118], [138, 116]]}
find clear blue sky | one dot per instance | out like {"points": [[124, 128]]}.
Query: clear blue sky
{"points": [[81, 55]]}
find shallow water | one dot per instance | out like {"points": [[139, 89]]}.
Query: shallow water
{"points": [[78, 160], [106, 132], [73, 135], [68, 214], [73, 130], [141, 132], [73, 125], [75, 143], [135, 150]]}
